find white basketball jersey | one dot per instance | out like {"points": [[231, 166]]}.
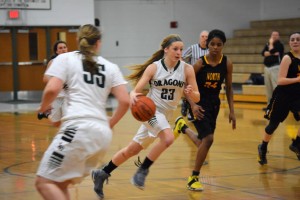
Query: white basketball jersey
{"points": [[166, 87], [87, 93]]}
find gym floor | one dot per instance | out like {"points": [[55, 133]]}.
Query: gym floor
{"points": [[232, 171]]}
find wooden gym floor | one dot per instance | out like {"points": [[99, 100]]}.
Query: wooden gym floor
{"points": [[232, 171]]}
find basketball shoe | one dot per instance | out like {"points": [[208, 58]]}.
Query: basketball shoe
{"points": [[98, 177], [262, 158], [139, 178], [296, 150], [179, 124], [194, 184]]}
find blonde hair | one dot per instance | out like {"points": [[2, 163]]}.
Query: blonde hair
{"points": [[140, 68], [88, 35]]}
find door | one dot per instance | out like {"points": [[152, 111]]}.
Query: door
{"points": [[24, 54], [65, 34], [31, 53], [6, 72]]}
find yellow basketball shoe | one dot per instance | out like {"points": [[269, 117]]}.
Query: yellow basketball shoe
{"points": [[194, 184], [179, 123]]}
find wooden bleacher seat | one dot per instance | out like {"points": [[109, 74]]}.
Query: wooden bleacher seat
{"points": [[244, 50]]}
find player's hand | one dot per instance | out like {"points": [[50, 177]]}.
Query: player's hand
{"points": [[188, 90], [45, 114], [271, 40], [232, 120], [198, 112], [134, 96]]}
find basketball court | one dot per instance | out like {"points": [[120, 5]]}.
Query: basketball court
{"points": [[232, 171]]}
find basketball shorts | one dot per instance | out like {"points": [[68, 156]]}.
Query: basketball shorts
{"points": [[149, 130], [58, 109], [76, 149], [280, 105], [207, 125]]}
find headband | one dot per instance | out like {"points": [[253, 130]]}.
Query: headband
{"points": [[173, 39]]}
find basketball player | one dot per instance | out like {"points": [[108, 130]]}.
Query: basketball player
{"points": [[59, 104], [85, 132], [285, 98], [191, 55], [211, 71], [169, 78]]}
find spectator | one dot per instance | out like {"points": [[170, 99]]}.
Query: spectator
{"points": [[273, 53]]}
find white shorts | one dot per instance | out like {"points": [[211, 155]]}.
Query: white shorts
{"points": [[76, 149], [149, 130], [59, 106]]}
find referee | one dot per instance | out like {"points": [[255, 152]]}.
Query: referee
{"points": [[191, 55]]}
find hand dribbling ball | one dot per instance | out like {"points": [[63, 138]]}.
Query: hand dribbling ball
{"points": [[143, 109]]}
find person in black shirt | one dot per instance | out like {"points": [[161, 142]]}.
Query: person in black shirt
{"points": [[273, 53], [286, 97], [211, 71]]}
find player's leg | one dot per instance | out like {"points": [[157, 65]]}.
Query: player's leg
{"points": [[166, 138], [268, 84], [295, 146], [190, 115], [193, 181], [181, 127], [184, 107], [99, 176], [50, 190], [206, 141]]}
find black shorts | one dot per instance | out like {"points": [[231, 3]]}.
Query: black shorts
{"points": [[207, 125], [281, 103]]}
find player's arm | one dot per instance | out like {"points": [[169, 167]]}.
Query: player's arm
{"points": [[51, 91], [121, 94], [283, 70], [46, 78], [191, 89], [144, 80], [197, 110], [229, 93]]}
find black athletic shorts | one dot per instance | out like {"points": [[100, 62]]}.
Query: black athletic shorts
{"points": [[207, 125], [281, 103]]}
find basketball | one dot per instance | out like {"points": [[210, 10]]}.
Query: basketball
{"points": [[144, 109]]}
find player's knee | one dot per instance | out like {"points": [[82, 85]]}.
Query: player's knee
{"points": [[208, 140], [169, 140], [271, 127]]}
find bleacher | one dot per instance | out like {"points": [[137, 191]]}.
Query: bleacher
{"points": [[244, 50]]}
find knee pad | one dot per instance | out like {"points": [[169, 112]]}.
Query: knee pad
{"points": [[271, 127]]}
